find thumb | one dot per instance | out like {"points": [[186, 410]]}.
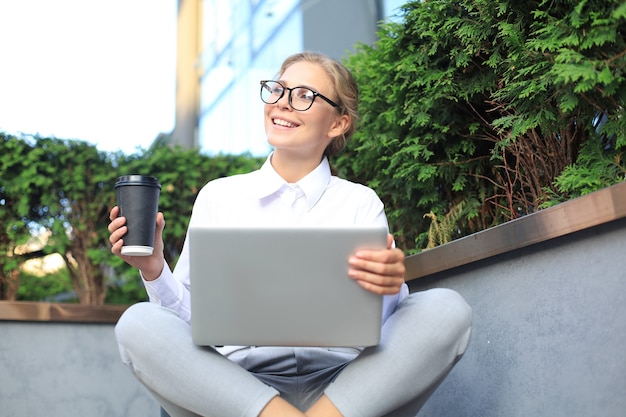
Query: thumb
{"points": [[390, 242], [160, 225]]}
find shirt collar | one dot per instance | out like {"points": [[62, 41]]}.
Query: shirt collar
{"points": [[313, 184]]}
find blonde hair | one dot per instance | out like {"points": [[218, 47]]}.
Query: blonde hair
{"points": [[345, 88]]}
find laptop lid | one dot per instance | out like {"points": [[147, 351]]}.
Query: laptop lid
{"points": [[281, 286]]}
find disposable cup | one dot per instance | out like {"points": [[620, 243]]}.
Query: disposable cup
{"points": [[138, 200]]}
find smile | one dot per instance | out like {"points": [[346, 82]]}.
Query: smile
{"points": [[284, 123]]}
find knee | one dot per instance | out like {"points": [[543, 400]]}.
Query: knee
{"points": [[457, 314], [133, 323], [452, 307], [456, 308], [448, 312]]}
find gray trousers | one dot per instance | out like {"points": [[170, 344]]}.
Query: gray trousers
{"points": [[421, 341]]}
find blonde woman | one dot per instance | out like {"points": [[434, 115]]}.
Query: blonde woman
{"points": [[310, 113]]}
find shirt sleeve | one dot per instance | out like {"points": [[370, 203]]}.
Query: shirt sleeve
{"points": [[171, 289]]}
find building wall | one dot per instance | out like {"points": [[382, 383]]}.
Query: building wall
{"points": [[335, 27], [549, 330]]}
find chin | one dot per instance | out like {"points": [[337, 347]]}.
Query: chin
{"points": [[276, 141]]}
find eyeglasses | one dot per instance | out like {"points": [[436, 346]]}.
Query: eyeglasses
{"points": [[300, 98]]}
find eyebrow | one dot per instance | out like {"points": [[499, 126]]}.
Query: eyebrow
{"points": [[300, 85]]}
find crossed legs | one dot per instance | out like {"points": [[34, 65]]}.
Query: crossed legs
{"points": [[421, 341]]}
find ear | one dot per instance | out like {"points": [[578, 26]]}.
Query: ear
{"points": [[339, 126]]}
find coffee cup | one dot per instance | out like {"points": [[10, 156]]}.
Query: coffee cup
{"points": [[138, 200]]}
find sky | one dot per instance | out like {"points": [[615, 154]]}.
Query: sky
{"points": [[102, 71]]}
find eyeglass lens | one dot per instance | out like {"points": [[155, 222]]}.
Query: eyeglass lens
{"points": [[300, 98]]}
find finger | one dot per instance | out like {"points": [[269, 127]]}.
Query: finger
{"points": [[160, 224], [117, 235], [115, 212], [116, 247], [158, 235], [395, 268], [390, 241], [383, 280], [390, 255], [387, 262], [116, 224], [381, 285]]}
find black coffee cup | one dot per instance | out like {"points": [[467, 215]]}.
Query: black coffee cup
{"points": [[138, 199]]}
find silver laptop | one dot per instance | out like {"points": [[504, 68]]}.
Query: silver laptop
{"points": [[281, 286]]}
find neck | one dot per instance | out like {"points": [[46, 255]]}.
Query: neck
{"points": [[293, 168]]}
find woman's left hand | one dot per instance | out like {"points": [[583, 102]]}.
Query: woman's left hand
{"points": [[379, 271]]}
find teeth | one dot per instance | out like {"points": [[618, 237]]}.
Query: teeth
{"points": [[284, 123]]}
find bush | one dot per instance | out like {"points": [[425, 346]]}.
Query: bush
{"points": [[65, 188], [472, 111]]}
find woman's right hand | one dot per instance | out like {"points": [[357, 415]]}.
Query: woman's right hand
{"points": [[150, 266]]}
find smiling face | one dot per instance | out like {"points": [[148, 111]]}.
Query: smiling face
{"points": [[304, 133]]}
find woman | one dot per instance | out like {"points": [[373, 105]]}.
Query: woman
{"points": [[310, 113]]}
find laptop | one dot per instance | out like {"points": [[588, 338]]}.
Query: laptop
{"points": [[286, 286]]}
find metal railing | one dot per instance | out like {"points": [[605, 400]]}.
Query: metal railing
{"points": [[597, 208]]}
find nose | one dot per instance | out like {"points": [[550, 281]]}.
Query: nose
{"points": [[283, 102]]}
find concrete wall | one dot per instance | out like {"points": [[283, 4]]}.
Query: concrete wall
{"points": [[66, 370], [549, 333]]}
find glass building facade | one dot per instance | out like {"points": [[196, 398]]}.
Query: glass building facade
{"points": [[244, 41]]}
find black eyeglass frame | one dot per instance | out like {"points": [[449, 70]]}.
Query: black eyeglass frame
{"points": [[315, 94]]}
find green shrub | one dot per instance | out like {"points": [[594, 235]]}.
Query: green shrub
{"points": [[66, 188], [478, 107]]}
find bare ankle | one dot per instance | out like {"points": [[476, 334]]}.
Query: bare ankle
{"points": [[323, 408], [277, 407]]}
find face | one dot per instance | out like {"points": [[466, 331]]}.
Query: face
{"points": [[305, 132]]}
